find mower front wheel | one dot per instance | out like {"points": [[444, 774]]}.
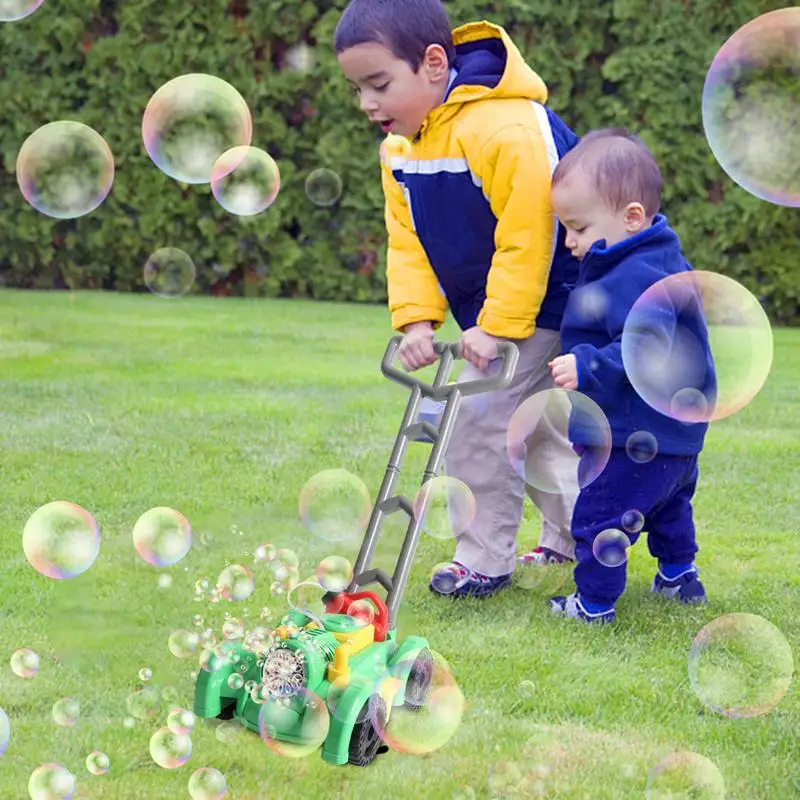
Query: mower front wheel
{"points": [[365, 741], [419, 680]]}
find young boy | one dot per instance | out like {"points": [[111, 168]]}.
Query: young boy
{"points": [[607, 193], [470, 226]]}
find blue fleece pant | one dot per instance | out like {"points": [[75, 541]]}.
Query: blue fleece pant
{"points": [[661, 490]]}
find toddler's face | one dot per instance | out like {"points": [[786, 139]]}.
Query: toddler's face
{"points": [[389, 91], [588, 218]]}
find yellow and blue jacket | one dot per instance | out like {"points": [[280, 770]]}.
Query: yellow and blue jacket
{"points": [[468, 213]]}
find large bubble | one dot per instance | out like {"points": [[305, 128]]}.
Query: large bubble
{"points": [[538, 436], [683, 775], [144, 703], [170, 750], [236, 583], [13, 10], [51, 782], [169, 272], [666, 358], [190, 122], [25, 663], [446, 507], [61, 540], [97, 762], [65, 169], [66, 712], [334, 573], [280, 714], [162, 536], [207, 783], [323, 187], [335, 505], [751, 106], [740, 665], [183, 643], [245, 180], [431, 720]]}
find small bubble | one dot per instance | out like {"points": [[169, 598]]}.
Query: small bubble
{"points": [[25, 663], [164, 581], [97, 763], [145, 673]]}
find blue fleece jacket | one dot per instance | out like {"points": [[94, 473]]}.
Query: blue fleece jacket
{"points": [[610, 280]]}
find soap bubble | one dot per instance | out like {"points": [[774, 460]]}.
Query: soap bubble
{"points": [[190, 122], [181, 720], [61, 540], [446, 505], [14, 10], [334, 573], [537, 435], [66, 712], [335, 505], [641, 447], [245, 180], [51, 782], [145, 673], [144, 702], [275, 716], [5, 731], [170, 750], [25, 663], [323, 187], [633, 521], [169, 272], [669, 333], [610, 547], [207, 784], [685, 774], [97, 763], [740, 665], [64, 169], [751, 106], [162, 536], [183, 643], [236, 583]]}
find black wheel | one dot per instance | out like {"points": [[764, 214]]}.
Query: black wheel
{"points": [[365, 742], [227, 711], [419, 680]]}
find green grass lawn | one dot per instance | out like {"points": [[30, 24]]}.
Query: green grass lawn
{"points": [[223, 409]]}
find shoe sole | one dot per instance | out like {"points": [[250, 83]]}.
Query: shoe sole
{"points": [[477, 593]]}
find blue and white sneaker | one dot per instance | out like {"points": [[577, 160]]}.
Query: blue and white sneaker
{"points": [[573, 607], [456, 580], [686, 586], [429, 411]]}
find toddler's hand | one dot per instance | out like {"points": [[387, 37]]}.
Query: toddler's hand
{"points": [[478, 347], [564, 370], [416, 348]]}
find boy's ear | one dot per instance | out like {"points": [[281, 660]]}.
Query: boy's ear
{"points": [[435, 62], [635, 217]]}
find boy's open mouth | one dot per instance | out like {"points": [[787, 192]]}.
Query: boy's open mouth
{"points": [[386, 125]]}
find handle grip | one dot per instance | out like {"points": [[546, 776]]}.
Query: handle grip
{"points": [[448, 351]]}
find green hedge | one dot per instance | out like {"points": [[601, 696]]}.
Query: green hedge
{"points": [[629, 62]]}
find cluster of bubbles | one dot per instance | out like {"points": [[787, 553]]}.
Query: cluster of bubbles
{"points": [[61, 539], [196, 128]]}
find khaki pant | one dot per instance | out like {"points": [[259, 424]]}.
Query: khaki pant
{"points": [[477, 455]]}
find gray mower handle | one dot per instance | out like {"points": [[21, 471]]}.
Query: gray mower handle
{"points": [[448, 351]]}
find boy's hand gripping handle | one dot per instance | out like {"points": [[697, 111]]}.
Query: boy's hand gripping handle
{"points": [[448, 351]]}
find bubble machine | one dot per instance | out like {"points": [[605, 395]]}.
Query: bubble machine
{"points": [[332, 681]]}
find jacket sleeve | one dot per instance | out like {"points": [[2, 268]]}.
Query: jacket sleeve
{"points": [[514, 169], [414, 293]]}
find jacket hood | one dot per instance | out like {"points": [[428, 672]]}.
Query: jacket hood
{"points": [[489, 65]]}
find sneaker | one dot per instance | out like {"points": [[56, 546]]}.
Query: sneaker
{"points": [[573, 608], [686, 587], [429, 411], [542, 556], [456, 580]]}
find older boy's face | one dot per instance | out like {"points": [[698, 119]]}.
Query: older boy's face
{"points": [[586, 216], [390, 92]]}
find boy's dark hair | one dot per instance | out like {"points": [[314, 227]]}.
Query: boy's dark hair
{"points": [[406, 27], [620, 167]]}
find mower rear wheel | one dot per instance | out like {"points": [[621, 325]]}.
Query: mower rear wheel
{"points": [[365, 741], [419, 680]]}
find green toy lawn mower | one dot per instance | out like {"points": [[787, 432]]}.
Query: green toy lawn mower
{"points": [[333, 680]]}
